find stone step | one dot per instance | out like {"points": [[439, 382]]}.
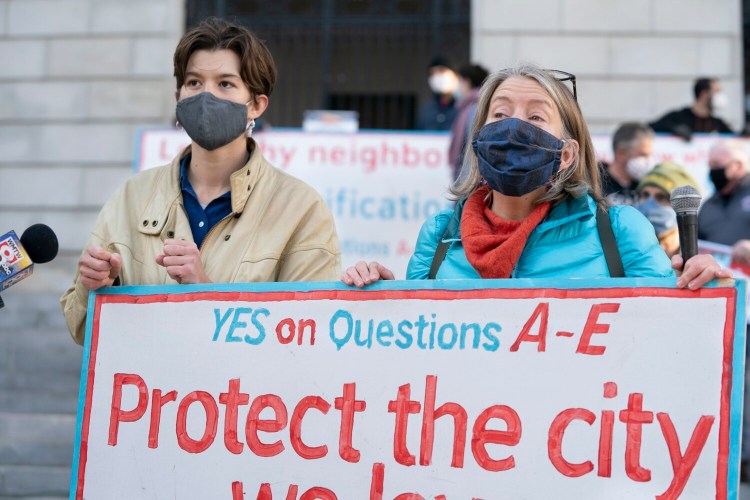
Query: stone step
{"points": [[48, 482], [30, 309], [44, 360], [36, 440], [39, 401], [40, 369]]}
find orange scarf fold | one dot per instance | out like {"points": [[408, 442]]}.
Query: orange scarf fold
{"points": [[492, 244]]}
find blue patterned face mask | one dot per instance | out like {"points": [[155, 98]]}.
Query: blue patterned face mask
{"points": [[662, 217], [516, 157]]}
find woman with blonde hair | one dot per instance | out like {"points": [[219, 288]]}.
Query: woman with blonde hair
{"points": [[529, 202]]}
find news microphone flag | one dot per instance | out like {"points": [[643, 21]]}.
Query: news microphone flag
{"points": [[15, 263]]}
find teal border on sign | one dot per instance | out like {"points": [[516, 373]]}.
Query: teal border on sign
{"points": [[82, 397], [468, 284], [738, 356], [736, 401]]}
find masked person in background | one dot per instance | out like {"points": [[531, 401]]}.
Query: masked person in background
{"points": [[654, 202], [439, 112], [725, 217], [632, 148], [528, 201], [698, 117], [219, 212], [470, 78]]}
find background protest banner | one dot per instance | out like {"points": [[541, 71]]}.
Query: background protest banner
{"points": [[481, 389], [381, 186]]}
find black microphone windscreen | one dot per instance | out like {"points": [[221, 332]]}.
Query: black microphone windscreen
{"points": [[40, 242], [685, 199]]}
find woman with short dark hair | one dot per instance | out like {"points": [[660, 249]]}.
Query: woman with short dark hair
{"points": [[219, 212]]}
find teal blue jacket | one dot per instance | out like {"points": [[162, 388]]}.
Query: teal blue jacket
{"points": [[564, 245]]}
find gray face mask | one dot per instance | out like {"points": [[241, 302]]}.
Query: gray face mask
{"points": [[212, 122]]}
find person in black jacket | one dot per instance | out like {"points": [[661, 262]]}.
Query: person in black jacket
{"points": [[725, 218], [632, 148], [699, 117]]}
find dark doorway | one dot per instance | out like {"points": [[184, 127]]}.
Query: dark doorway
{"points": [[369, 56]]}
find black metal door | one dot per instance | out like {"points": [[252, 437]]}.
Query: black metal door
{"points": [[369, 56]]}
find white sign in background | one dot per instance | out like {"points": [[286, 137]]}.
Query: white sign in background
{"points": [[382, 186], [674, 362]]}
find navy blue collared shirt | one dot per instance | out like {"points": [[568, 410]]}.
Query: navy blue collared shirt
{"points": [[201, 219]]}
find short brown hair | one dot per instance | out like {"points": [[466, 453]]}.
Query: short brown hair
{"points": [[257, 68], [628, 134]]}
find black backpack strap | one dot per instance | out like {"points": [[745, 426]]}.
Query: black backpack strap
{"points": [[440, 252], [450, 232], [609, 245]]}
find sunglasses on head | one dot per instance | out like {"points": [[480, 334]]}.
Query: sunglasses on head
{"points": [[564, 76]]}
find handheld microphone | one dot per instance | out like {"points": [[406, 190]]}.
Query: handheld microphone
{"points": [[685, 202], [38, 244]]}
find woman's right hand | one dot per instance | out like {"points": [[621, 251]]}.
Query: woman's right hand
{"points": [[362, 273], [99, 267]]}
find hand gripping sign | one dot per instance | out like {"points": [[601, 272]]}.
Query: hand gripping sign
{"points": [[479, 389]]}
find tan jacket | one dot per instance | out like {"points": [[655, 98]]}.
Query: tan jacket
{"points": [[279, 230]]}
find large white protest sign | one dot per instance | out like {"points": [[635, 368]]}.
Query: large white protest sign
{"points": [[449, 390], [381, 186]]}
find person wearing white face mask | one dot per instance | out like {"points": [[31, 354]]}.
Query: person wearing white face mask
{"points": [[439, 112], [632, 147], [699, 117]]}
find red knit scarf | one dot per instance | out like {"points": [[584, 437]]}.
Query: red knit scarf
{"points": [[493, 244]]}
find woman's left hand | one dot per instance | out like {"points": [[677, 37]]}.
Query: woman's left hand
{"points": [[699, 270], [183, 262]]}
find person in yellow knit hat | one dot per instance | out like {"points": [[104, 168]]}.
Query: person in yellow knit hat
{"points": [[654, 201]]}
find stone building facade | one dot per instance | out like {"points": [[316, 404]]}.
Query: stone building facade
{"points": [[634, 60]]}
